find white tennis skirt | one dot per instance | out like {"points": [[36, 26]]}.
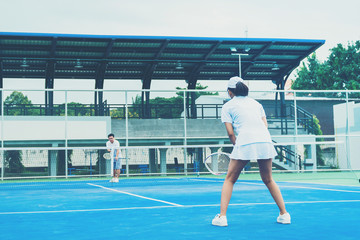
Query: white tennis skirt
{"points": [[253, 151]]}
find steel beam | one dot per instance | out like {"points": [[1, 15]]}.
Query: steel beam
{"points": [[100, 78], [192, 80], [253, 60], [49, 79], [146, 81]]}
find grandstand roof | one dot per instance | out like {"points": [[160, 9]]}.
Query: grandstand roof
{"points": [[38, 55]]}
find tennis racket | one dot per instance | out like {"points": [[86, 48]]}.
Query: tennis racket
{"points": [[218, 163], [107, 156]]}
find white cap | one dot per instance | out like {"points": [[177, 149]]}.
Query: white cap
{"points": [[233, 81]]}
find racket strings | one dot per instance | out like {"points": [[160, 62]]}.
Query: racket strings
{"points": [[218, 163]]}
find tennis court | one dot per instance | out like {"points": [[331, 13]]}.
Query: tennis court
{"points": [[178, 208], [55, 168]]}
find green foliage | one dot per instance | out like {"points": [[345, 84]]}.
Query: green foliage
{"points": [[339, 72], [319, 152], [17, 98], [197, 94], [316, 126], [19, 104], [13, 161], [76, 109], [162, 107]]}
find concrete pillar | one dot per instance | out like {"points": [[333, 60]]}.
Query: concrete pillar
{"points": [[101, 162], [313, 155], [104, 164], [52, 163], [311, 158], [108, 166], [163, 161], [152, 161]]}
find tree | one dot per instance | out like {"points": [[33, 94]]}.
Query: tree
{"points": [[197, 94], [162, 107], [339, 72], [13, 161], [19, 104], [77, 109]]}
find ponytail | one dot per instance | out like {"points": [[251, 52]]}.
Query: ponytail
{"points": [[241, 89]]}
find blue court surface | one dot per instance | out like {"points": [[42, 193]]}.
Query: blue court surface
{"points": [[174, 208]]}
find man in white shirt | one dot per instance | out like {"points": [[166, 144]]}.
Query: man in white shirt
{"points": [[114, 149]]}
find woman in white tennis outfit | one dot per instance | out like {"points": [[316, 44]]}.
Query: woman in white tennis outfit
{"points": [[246, 125]]}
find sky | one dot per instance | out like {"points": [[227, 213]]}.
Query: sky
{"points": [[333, 21]]}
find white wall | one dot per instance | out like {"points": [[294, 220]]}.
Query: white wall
{"points": [[53, 128], [348, 156]]}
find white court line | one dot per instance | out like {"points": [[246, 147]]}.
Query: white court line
{"points": [[261, 184], [272, 203], [205, 180], [87, 210], [179, 206], [324, 189], [135, 195]]}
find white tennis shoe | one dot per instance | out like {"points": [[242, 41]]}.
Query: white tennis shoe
{"points": [[220, 221], [284, 219], [112, 180], [116, 180]]}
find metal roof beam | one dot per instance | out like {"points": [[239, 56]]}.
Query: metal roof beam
{"points": [[49, 74], [50, 66], [101, 68], [289, 69], [100, 75], [146, 80], [144, 60], [53, 47], [197, 69], [252, 61], [149, 70], [109, 48]]}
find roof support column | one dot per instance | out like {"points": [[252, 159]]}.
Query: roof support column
{"points": [[192, 80], [99, 103], [190, 99], [99, 84], [145, 98], [49, 84], [146, 81], [49, 80]]}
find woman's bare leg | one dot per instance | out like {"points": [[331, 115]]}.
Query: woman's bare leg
{"points": [[235, 167], [265, 167]]}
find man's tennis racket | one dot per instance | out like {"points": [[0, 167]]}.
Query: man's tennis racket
{"points": [[107, 156], [218, 163]]}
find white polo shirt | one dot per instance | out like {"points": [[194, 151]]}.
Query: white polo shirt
{"points": [[245, 114], [114, 146]]}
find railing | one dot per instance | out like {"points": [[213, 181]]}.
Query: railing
{"points": [[286, 154], [165, 111], [55, 110], [203, 110], [304, 118]]}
